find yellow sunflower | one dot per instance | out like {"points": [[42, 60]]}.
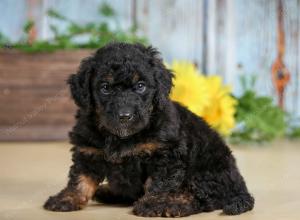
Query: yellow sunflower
{"points": [[206, 96]]}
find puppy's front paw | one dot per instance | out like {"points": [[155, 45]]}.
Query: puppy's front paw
{"points": [[164, 205], [150, 206], [146, 209], [59, 203]]}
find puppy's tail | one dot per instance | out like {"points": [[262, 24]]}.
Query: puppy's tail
{"points": [[239, 204]]}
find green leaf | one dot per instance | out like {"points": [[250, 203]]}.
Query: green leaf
{"points": [[103, 27], [260, 118], [54, 29], [3, 40], [106, 10], [75, 29], [294, 132], [55, 14], [97, 34], [28, 25]]}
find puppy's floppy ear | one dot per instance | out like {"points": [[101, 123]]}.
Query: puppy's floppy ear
{"points": [[80, 84], [163, 78]]}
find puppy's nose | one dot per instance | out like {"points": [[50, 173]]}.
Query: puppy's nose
{"points": [[125, 115]]}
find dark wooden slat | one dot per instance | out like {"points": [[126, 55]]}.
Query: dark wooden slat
{"points": [[35, 133], [42, 69], [35, 100], [37, 106]]}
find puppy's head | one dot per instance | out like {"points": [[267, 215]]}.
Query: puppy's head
{"points": [[123, 84]]}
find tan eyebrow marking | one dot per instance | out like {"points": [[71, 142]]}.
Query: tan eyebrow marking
{"points": [[135, 77], [109, 78]]}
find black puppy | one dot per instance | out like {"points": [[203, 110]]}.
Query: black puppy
{"points": [[153, 152]]}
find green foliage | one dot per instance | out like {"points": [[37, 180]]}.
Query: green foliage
{"points": [[96, 34], [293, 130], [258, 118], [28, 25], [106, 10], [38, 46], [54, 14], [3, 40]]}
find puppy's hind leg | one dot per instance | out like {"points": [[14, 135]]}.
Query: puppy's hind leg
{"points": [[239, 204]]}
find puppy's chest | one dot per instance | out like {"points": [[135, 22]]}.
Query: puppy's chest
{"points": [[126, 170], [127, 177], [119, 153], [122, 152]]}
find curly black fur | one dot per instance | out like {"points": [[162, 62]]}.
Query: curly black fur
{"points": [[153, 152]]}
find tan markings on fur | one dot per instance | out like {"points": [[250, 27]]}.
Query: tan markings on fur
{"points": [[139, 149], [183, 198], [74, 197], [135, 77], [168, 213], [109, 78], [147, 184], [79, 196], [69, 195], [172, 199], [147, 148], [86, 186], [179, 198], [90, 151]]}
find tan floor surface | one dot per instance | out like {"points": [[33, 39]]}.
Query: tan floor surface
{"points": [[30, 172]]}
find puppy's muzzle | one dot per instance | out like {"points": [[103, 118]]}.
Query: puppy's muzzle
{"points": [[125, 115]]}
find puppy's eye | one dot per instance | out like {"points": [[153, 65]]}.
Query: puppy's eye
{"points": [[105, 88], [140, 87]]}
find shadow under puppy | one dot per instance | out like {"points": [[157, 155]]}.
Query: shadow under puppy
{"points": [[153, 152]]}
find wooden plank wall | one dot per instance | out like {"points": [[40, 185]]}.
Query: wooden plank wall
{"points": [[35, 99], [255, 45], [241, 35], [175, 27]]}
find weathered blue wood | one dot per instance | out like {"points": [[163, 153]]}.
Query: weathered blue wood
{"points": [[241, 34], [256, 46], [12, 17], [174, 26], [297, 107], [87, 11], [292, 52], [256, 42]]}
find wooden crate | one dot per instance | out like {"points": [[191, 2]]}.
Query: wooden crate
{"points": [[35, 103]]}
